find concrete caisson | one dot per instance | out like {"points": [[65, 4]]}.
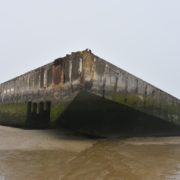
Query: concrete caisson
{"points": [[87, 93]]}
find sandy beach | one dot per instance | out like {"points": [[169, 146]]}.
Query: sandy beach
{"points": [[62, 155]]}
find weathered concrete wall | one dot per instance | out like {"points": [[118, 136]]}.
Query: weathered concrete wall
{"points": [[54, 85], [39, 97], [118, 85]]}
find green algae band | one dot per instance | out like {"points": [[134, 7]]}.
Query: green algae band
{"points": [[13, 114]]}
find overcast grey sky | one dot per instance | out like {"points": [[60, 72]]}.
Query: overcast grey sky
{"points": [[140, 36]]}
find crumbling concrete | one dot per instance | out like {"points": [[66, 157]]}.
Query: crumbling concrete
{"points": [[38, 98]]}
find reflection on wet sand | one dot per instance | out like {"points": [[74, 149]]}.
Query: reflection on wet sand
{"points": [[53, 155]]}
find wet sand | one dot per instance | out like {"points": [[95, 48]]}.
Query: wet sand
{"points": [[60, 155]]}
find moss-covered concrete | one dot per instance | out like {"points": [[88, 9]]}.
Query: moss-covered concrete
{"points": [[148, 104], [13, 114], [56, 110], [128, 99]]}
